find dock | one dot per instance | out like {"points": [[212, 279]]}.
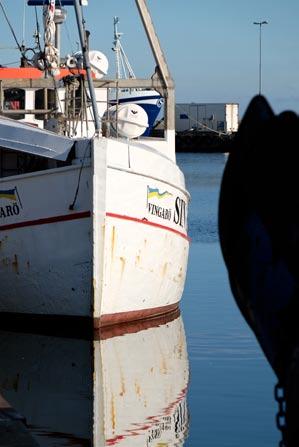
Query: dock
{"points": [[199, 141]]}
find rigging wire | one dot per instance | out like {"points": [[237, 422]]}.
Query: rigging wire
{"points": [[57, 94], [72, 205], [11, 29], [24, 24], [37, 30], [9, 63], [67, 31], [6, 47], [69, 36]]}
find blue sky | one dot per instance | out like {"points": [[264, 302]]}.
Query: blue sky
{"points": [[211, 47]]}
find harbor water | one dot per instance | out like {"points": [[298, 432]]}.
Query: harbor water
{"points": [[199, 379], [231, 385]]}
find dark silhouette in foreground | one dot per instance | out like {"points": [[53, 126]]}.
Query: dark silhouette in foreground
{"points": [[259, 236]]}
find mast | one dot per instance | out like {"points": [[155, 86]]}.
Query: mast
{"points": [[59, 18], [116, 47], [122, 61], [84, 46], [163, 71]]}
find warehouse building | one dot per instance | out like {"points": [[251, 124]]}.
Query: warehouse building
{"points": [[219, 117]]}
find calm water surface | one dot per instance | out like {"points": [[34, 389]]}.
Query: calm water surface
{"points": [[231, 385], [195, 380]]}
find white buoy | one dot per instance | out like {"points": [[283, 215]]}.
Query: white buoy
{"points": [[99, 63], [128, 120]]}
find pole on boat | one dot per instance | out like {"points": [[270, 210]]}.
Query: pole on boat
{"points": [[85, 54], [59, 18], [163, 70]]}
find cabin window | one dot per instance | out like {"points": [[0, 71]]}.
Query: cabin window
{"points": [[45, 99], [15, 163], [14, 100]]}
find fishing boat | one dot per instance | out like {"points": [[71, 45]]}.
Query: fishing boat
{"points": [[126, 388], [92, 228]]}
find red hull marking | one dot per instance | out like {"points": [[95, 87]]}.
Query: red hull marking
{"points": [[82, 215], [46, 220], [146, 222]]}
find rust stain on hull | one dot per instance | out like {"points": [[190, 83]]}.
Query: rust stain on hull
{"points": [[113, 415], [123, 386], [164, 269], [123, 264], [15, 264], [137, 389], [113, 236], [163, 366]]}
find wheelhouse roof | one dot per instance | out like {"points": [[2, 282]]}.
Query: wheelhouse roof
{"points": [[23, 137]]}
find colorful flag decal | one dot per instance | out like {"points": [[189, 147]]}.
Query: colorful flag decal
{"points": [[9, 194], [154, 192]]}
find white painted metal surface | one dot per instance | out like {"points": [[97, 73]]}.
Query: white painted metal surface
{"points": [[46, 252], [123, 248], [18, 136], [232, 117], [219, 117]]}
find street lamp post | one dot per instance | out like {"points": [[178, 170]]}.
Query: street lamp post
{"points": [[264, 22]]}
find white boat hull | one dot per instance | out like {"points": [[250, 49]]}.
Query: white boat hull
{"points": [[118, 255]]}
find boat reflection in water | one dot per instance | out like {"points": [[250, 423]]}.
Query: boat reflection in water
{"points": [[127, 388]]}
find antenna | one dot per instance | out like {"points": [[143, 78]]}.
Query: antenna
{"points": [[115, 48], [122, 62]]}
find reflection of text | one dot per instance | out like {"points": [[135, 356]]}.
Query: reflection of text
{"points": [[180, 418], [177, 423]]}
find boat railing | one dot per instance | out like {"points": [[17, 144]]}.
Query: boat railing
{"points": [[46, 84], [161, 81]]}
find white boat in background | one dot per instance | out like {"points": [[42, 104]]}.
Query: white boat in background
{"points": [[89, 227], [126, 389], [150, 100]]}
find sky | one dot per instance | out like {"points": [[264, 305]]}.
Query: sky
{"points": [[212, 48]]}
